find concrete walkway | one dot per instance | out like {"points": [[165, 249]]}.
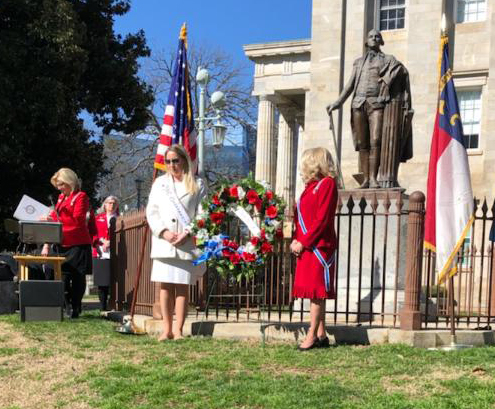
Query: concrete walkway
{"points": [[295, 331]]}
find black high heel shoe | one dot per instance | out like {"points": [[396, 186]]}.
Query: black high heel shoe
{"points": [[313, 345], [323, 343]]}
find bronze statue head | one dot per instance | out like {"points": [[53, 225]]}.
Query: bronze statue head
{"points": [[374, 40]]}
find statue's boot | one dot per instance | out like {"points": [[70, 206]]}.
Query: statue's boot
{"points": [[364, 165], [374, 163]]}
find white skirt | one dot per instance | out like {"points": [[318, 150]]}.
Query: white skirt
{"points": [[176, 271]]}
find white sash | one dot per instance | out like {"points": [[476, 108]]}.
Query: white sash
{"points": [[178, 206]]}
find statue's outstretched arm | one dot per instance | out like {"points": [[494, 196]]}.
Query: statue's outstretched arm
{"points": [[346, 92]]}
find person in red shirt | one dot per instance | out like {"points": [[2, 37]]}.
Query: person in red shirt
{"points": [[72, 209], [100, 231], [314, 241]]}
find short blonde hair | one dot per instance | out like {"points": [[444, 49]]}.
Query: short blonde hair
{"points": [[316, 163], [189, 179], [68, 176]]}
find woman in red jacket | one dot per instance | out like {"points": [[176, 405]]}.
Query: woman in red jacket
{"points": [[315, 241], [100, 226], [71, 210]]}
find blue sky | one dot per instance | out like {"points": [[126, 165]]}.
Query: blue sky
{"points": [[225, 24]]}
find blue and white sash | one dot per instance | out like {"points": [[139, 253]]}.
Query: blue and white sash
{"points": [[326, 264]]}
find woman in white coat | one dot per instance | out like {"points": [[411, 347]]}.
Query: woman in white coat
{"points": [[174, 201]]}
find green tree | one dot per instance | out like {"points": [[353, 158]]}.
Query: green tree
{"points": [[61, 61]]}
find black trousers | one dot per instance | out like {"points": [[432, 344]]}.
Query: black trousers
{"points": [[103, 291], [78, 263], [75, 287]]}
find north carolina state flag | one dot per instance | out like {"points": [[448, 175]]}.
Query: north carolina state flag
{"points": [[449, 201]]}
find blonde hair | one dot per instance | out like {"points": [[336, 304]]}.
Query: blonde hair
{"points": [[189, 179], [316, 163], [68, 176], [102, 209]]}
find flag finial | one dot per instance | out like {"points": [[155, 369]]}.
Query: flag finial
{"points": [[183, 32]]}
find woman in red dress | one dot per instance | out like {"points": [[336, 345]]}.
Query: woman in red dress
{"points": [[315, 241], [100, 232]]}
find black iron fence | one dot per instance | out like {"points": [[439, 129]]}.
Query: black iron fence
{"points": [[372, 229]]}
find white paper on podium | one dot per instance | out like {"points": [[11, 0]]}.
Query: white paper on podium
{"points": [[30, 209]]}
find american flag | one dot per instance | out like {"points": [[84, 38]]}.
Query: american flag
{"points": [[178, 121]]}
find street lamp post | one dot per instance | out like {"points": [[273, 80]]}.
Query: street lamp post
{"points": [[219, 130]]}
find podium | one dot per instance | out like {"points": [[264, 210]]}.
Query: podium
{"points": [[40, 300], [23, 261]]}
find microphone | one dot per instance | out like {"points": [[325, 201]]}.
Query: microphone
{"points": [[50, 199]]}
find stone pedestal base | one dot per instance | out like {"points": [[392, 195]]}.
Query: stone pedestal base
{"points": [[410, 320]]}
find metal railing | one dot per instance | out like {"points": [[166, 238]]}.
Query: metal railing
{"points": [[379, 274]]}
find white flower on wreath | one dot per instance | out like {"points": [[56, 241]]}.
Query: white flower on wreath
{"points": [[240, 192], [202, 234], [269, 236], [265, 184], [201, 215], [250, 248], [275, 223]]}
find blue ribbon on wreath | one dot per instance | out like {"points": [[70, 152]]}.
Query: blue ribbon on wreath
{"points": [[213, 247]]}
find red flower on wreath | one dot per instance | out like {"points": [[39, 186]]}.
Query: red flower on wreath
{"points": [[226, 252], [252, 196], [266, 247], [230, 243], [216, 200], [201, 223], [217, 217], [262, 234], [269, 194], [233, 192], [235, 258], [272, 212], [258, 204], [249, 257], [255, 240]]}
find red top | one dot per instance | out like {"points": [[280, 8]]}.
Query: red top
{"points": [[71, 211], [100, 230], [318, 203]]}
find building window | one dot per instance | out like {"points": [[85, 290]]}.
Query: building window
{"points": [[465, 252], [470, 107], [392, 14], [471, 10]]}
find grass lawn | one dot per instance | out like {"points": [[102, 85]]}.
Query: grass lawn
{"points": [[85, 364]]}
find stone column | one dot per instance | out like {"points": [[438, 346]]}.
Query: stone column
{"points": [[265, 149], [285, 179], [299, 184], [410, 315]]}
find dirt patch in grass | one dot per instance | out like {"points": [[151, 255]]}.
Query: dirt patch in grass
{"points": [[36, 377], [307, 371], [42, 373], [425, 385]]}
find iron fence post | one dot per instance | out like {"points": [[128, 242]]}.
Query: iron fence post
{"points": [[410, 315]]}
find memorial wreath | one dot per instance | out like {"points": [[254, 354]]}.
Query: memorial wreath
{"points": [[261, 211]]}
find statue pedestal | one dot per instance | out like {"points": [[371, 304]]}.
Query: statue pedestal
{"points": [[372, 235]]}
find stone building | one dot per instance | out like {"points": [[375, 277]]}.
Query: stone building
{"points": [[295, 80]]}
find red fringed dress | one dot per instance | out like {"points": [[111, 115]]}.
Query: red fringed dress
{"points": [[317, 205]]}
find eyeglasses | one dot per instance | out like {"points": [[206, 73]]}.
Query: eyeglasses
{"points": [[174, 161]]}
